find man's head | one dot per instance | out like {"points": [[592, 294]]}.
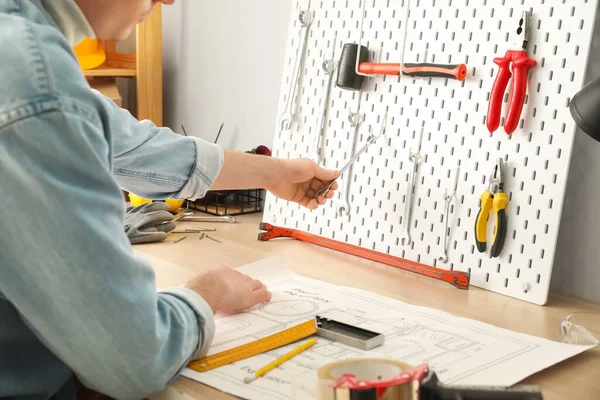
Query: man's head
{"points": [[115, 19]]}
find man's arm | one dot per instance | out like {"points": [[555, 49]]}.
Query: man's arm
{"points": [[296, 180], [156, 163], [68, 268]]}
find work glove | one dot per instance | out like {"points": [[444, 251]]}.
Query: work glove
{"points": [[148, 222]]}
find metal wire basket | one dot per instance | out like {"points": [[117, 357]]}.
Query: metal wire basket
{"points": [[230, 202]]}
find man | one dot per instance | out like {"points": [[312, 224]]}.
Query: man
{"points": [[75, 304]]}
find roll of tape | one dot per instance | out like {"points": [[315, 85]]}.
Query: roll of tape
{"points": [[365, 379]]}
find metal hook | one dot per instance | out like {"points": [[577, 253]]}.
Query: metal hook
{"points": [[330, 62], [360, 34], [362, 21], [419, 141], [448, 197], [404, 40]]}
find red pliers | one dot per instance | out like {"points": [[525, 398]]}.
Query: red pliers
{"points": [[521, 64]]}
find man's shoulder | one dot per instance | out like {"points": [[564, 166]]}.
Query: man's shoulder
{"points": [[37, 63]]}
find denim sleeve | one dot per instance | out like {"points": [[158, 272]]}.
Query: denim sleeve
{"points": [[157, 163], [70, 271]]}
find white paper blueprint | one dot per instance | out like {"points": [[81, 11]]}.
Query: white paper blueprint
{"points": [[459, 350]]}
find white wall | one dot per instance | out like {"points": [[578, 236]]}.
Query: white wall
{"points": [[223, 64], [127, 86]]}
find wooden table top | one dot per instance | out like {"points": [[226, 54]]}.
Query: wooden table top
{"points": [[175, 263]]}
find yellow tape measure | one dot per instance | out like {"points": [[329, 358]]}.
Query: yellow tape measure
{"points": [[252, 349]]}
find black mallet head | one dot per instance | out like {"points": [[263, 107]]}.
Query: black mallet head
{"points": [[347, 77]]}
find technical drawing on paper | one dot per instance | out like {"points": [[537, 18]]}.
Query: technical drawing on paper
{"points": [[230, 330], [290, 308], [460, 351]]}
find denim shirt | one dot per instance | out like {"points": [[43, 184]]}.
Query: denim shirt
{"points": [[73, 298]]}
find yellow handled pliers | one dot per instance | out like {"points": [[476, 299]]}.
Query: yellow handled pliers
{"points": [[494, 198]]}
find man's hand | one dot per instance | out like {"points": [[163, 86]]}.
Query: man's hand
{"points": [[299, 180], [228, 290], [296, 180]]}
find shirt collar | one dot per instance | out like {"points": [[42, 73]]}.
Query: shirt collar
{"points": [[70, 20]]}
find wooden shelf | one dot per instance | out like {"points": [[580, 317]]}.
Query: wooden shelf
{"points": [[144, 65], [110, 71]]}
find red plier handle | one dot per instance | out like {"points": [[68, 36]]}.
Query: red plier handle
{"points": [[521, 64]]}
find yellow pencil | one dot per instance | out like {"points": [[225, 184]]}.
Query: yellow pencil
{"points": [[280, 361]]}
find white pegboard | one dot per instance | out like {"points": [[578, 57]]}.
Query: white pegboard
{"points": [[537, 154]]}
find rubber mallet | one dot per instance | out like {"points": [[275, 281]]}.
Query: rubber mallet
{"points": [[348, 78]]}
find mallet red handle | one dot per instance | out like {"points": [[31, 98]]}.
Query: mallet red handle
{"points": [[425, 70], [458, 279]]}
